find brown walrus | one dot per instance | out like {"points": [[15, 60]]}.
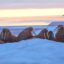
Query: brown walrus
{"points": [[7, 36], [43, 34], [1, 42], [60, 34], [25, 34], [50, 35]]}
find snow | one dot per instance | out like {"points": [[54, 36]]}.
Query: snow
{"points": [[32, 51]]}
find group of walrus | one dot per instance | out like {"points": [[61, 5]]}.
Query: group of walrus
{"points": [[7, 36]]}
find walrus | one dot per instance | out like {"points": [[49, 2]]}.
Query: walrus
{"points": [[43, 34], [50, 35], [59, 36], [7, 36], [1, 42], [26, 34]]}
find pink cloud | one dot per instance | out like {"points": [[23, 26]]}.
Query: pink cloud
{"points": [[30, 4]]}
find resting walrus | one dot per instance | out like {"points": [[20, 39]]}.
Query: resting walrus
{"points": [[25, 34], [6, 36], [60, 34], [50, 35], [43, 34], [1, 42]]}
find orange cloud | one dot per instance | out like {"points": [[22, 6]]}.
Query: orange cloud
{"points": [[32, 18]]}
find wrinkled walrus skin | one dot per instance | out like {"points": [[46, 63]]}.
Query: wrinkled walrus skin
{"points": [[60, 34], [50, 35], [7, 36], [26, 34], [1, 42], [43, 34]]}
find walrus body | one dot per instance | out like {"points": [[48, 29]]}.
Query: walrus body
{"points": [[25, 34], [50, 35], [1, 42], [43, 34], [6, 36], [60, 34], [59, 37]]}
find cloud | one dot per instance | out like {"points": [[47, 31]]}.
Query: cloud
{"points": [[31, 3]]}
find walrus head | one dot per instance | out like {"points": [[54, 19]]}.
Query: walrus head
{"points": [[60, 27], [50, 32], [5, 34], [45, 30], [29, 28], [6, 30]]}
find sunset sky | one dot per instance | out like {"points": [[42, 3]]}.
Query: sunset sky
{"points": [[31, 3], [23, 12]]}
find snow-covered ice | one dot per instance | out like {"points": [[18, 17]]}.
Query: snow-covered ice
{"points": [[32, 51]]}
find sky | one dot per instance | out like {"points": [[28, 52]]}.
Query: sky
{"points": [[23, 10], [31, 3]]}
